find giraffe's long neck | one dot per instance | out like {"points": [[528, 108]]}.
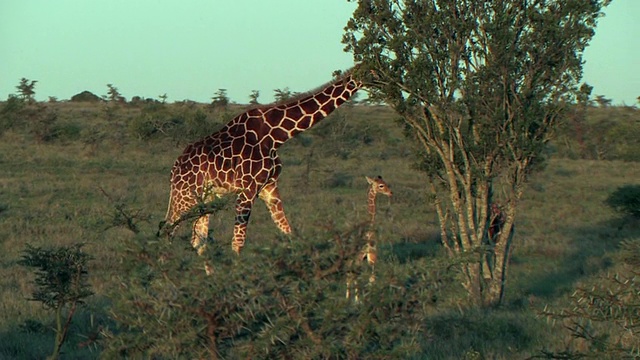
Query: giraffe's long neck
{"points": [[371, 204], [292, 118]]}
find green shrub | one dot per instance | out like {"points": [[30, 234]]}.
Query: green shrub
{"points": [[625, 140], [182, 124], [611, 133], [144, 127], [196, 124], [339, 179], [61, 284], [626, 200], [64, 132], [154, 120], [85, 96], [602, 315], [285, 300], [38, 119], [10, 113]]}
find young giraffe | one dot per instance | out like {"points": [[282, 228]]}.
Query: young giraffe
{"points": [[242, 158], [377, 186], [369, 252]]}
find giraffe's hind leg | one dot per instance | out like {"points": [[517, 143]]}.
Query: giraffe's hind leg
{"points": [[271, 196], [244, 204]]}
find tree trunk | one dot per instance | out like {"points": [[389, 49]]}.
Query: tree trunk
{"points": [[500, 254], [495, 284], [469, 229]]}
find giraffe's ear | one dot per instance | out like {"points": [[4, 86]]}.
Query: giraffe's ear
{"points": [[369, 180]]}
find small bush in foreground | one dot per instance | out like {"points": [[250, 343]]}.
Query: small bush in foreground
{"points": [[61, 280]]}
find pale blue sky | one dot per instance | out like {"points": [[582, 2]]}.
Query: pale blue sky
{"points": [[189, 49]]}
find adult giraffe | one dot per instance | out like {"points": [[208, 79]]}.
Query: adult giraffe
{"points": [[242, 158]]}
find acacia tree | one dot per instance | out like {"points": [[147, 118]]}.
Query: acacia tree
{"points": [[253, 97], [282, 94], [221, 99], [113, 94], [26, 88], [481, 85]]}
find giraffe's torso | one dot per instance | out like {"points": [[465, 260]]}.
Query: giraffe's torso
{"points": [[227, 161]]}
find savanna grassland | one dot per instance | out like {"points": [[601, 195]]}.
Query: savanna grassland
{"points": [[77, 172]]}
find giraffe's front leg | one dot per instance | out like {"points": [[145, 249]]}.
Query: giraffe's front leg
{"points": [[199, 239], [271, 196], [243, 212]]}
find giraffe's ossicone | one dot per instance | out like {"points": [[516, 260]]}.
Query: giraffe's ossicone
{"points": [[241, 158]]}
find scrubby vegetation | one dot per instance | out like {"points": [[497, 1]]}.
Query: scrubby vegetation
{"points": [[100, 177], [626, 200]]}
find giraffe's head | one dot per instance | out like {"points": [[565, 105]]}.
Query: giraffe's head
{"points": [[379, 186], [348, 79]]}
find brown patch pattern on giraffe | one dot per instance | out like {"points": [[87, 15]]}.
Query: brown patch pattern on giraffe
{"points": [[242, 158]]}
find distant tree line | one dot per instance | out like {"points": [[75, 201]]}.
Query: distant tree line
{"points": [[26, 91]]}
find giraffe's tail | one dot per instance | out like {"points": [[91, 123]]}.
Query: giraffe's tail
{"points": [[167, 225]]}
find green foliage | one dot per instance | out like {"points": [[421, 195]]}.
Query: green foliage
{"points": [[60, 276], [624, 140], [282, 301], [10, 113], [281, 95], [61, 283], [480, 334], [196, 124], [612, 133], [40, 120], [26, 89], [220, 100], [626, 200], [46, 127], [253, 97], [602, 101], [85, 96], [182, 124], [200, 209], [113, 95], [603, 316], [123, 216], [151, 121], [33, 327], [339, 179]]}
